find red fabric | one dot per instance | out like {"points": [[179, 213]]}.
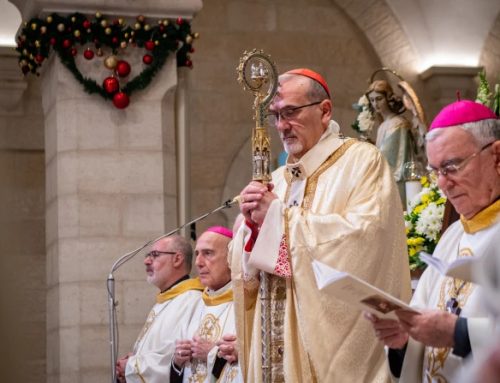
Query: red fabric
{"points": [[313, 75], [283, 267], [221, 230], [461, 112], [253, 237]]}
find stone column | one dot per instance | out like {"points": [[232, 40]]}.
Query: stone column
{"points": [[110, 186], [442, 83]]}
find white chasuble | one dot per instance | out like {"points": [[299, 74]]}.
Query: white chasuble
{"points": [[476, 237], [214, 318], [339, 205], [155, 345]]}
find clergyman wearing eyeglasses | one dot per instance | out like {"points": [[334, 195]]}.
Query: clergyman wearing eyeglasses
{"points": [[334, 201], [463, 149], [168, 264]]}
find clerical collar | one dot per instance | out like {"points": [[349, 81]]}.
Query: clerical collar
{"points": [[185, 277], [483, 219], [181, 286], [217, 297]]}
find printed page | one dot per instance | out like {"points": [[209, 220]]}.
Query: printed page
{"points": [[461, 268], [357, 292]]}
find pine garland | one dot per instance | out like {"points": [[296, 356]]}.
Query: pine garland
{"points": [[64, 34]]}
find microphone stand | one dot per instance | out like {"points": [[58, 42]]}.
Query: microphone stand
{"points": [[112, 303]]}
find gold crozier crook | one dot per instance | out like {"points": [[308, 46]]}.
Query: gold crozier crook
{"points": [[257, 73]]}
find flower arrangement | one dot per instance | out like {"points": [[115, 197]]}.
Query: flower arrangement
{"points": [[423, 222], [365, 121]]}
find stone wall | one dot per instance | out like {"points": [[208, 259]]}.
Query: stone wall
{"points": [[22, 226], [315, 34]]}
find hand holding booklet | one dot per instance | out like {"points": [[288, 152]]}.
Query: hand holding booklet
{"points": [[460, 268], [355, 291]]}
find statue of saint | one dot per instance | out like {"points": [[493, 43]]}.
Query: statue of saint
{"points": [[394, 137]]}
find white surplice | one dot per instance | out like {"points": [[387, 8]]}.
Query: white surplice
{"points": [[211, 321], [477, 237], [155, 344]]}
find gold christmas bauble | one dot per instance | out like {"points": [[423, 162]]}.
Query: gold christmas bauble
{"points": [[104, 23], [43, 29], [49, 19], [60, 27], [108, 31], [34, 26], [77, 33], [110, 62], [196, 35], [137, 26], [123, 45], [37, 43], [147, 27], [98, 15], [189, 39]]}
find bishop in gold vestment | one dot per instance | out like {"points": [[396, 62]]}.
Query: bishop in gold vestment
{"points": [[335, 202]]}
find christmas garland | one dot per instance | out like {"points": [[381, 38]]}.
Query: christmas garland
{"points": [[100, 37]]}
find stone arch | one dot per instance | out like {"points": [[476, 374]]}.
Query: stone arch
{"points": [[383, 31], [490, 54]]}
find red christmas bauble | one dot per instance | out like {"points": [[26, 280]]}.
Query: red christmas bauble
{"points": [[121, 100], [86, 24], [189, 63], [122, 68], [110, 85], [147, 59], [179, 21], [39, 58], [74, 51], [149, 45], [66, 43], [114, 40], [88, 54], [52, 41]]}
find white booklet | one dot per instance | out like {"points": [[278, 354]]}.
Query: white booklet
{"points": [[355, 291], [460, 268]]}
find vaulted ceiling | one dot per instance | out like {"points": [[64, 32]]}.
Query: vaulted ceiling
{"points": [[443, 32]]}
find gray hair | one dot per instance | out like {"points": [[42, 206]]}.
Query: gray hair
{"points": [[316, 92], [182, 245], [484, 131]]}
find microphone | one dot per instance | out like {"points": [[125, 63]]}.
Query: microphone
{"points": [[234, 201]]}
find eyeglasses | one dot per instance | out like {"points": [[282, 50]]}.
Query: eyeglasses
{"points": [[287, 113], [155, 253], [453, 167]]}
